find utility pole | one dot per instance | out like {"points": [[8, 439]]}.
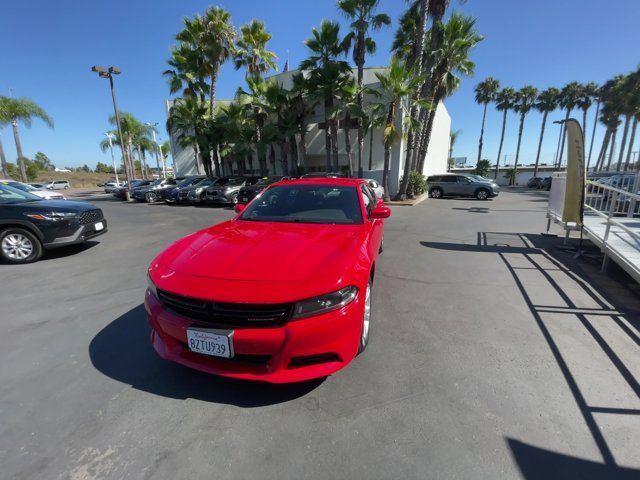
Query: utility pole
{"points": [[109, 73]]}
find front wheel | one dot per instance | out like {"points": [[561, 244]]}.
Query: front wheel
{"points": [[435, 193], [151, 197], [366, 320], [482, 194], [66, 187], [18, 245]]}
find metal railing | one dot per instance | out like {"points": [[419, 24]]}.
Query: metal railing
{"points": [[614, 201]]}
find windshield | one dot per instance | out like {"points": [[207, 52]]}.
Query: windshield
{"points": [[326, 204], [205, 182], [13, 195], [189, 181], [156, 182], [20, 186], [234, 182], [267, 180]]}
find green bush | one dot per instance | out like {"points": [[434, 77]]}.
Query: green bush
{"points": [[417, 184]]}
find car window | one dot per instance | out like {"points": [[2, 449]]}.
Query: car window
{"points": [[234, 182], [463, 179], [326, 204], [13, 195], [448, 179]]}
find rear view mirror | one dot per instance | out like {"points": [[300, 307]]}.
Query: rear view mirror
{"points": [[239, 208], [380, 211]]}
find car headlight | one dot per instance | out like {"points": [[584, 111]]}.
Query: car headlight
{"points": [[51, 215], [199, 189], [325, 303]]}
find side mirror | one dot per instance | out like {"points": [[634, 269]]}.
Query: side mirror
{"points": [[380, 211], [239, 208]]}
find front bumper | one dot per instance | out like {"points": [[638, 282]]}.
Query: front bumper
{"points": [[78, 234], [220, 197], [299, 350]]}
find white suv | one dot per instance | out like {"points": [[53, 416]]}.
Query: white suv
{"points": [[58, 185]]}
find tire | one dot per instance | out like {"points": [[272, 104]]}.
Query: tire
{"points": [[18, 245], [435, 192], [66, 187], [151, 197], [366, 320], [482, 194], [234, 199]]}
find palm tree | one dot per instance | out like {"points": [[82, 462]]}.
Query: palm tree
{"points": [[327, 73], [255, 101], [451, 60], [485, 94], [525, 100], [251, 50], [505, 100], [302, 105], [404, 41], [453, 138], [625, 93], [397, 90], [184, 120], [596, 96], [634, 100], [587, 93], [364, 19], [15, 110], [547, 102], [3, 160], [569, 97]]}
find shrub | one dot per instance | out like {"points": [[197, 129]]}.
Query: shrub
{"points": [[417, 184]]}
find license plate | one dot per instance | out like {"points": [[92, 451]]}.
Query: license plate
{"points": [[208, 342], [99, 226]]}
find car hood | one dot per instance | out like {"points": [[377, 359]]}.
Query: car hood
{"points": [[46, 194], [246, 259], [58, 206]]}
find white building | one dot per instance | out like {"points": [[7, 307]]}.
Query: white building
{"points": [[436, 161]]}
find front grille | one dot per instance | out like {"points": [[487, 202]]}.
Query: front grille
{"points": [[90, 216], [227, 314]]}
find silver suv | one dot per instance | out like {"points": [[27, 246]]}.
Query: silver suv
{"points": [[58, 185], [455, 185]]}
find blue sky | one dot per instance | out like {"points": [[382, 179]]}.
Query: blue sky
{"points": [[47, 49]]}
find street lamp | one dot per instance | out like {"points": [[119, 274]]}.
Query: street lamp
{"points": [[111, 136], [157, 147], [109, 73]]}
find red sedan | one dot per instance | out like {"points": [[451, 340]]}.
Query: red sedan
{"points": [[281, 293]]}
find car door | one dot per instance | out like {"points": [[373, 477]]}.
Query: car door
{"points": [[375, 236], [464, 185], [448, 184]]}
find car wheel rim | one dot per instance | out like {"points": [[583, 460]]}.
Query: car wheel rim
{"points": [[366, 318], [482, 195], [17, 247], [435, 194]]}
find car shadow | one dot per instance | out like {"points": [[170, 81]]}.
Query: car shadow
{"points": [[62, 252], [122, 351]]}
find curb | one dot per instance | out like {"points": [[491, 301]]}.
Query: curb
{"points": [[408, 203]]}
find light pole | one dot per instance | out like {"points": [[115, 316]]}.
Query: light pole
{"points": [[155, 142], [113, 160], [109, 73]]}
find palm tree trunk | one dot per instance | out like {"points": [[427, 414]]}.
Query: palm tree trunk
{"points": [[555, 160], [612, 149], [250, 163], [544, 122], [347, 143], [504, 124], [295, 157], [623, 144], [603, 150], [303, 151], [3, 160], [360, 128], [387, 153], [327, 133], [484, 115], [272, 157], [631, 142], [593, 132], [520, 128], [334, 145], [371, 148], [16, 137], [564, 135], [131, 159], [212, 89], [197, 156], [424, 143], [216, 161], [584, 125]]}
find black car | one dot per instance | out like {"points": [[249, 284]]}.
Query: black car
{"points": [[151, 193], [121, 192], [29, 225], [249, 192], [545, 184], [534, 182], [170, 195], [226, 191], [195, 193]]}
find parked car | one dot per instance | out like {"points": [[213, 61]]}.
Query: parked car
{"points": [[545, 184], [170, 195], [376, 187], [121, 192], [111, 186], [323, 175], [42, 193], [29, 224], [281, 293], [534, 182], [227, 192], [455, 185], [195, 193], [151, 193], [249, 192], [58, 185]]}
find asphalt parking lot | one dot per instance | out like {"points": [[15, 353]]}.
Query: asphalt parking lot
{"points": [[488, 358]]}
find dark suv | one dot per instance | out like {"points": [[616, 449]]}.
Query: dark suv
{"points": [[452, 185], [151, 193], [249, 192], [226, 192], [28, 224]]}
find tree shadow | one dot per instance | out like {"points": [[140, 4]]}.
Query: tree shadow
{"points": [[122, 351]]}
